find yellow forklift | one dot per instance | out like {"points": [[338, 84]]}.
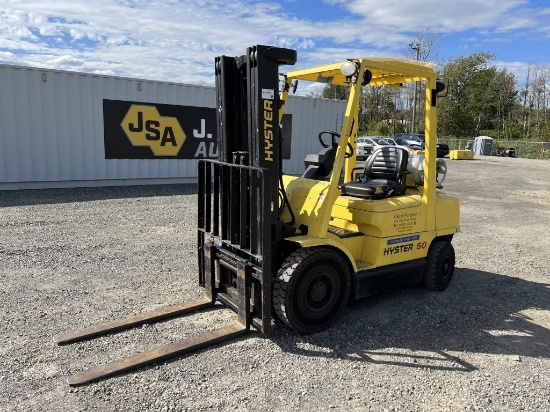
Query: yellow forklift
{"points": [[297, 248]]}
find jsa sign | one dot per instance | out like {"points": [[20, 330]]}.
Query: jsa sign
{"points": [[147, 131]]}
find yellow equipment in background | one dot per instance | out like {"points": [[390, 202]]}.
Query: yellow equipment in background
{"points": [[461, 154]]}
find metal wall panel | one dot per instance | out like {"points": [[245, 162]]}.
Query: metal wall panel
{"points": [[51, 128], [310, 116]]}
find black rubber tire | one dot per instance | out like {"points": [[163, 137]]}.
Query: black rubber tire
{"points": [[311, 289], [440, 267]]}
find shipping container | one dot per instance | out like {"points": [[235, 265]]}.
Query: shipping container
{"points": [[69, 129]]}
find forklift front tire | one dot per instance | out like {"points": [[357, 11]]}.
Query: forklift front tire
{"points": [[440, 267], [311, 289]]}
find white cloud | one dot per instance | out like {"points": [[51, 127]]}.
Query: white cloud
{"points": [[66, 60], [177, 40], [450, 15]]}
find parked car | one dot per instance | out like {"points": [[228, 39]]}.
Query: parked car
{"points": [[442, 149], [418, 139], [367, 144], [411, 138], [364, 148], [400, 142], [391, 141]]}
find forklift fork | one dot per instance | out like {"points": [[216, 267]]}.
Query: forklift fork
{"points": [[235, 271], [183, 346]]}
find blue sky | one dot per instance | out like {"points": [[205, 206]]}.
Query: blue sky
{"points": [[177, 40]]}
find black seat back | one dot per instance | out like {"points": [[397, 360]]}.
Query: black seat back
{"points": [[383, 175], [386, 163]]}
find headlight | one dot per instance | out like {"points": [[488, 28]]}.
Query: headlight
{"points": [[348, 69]]}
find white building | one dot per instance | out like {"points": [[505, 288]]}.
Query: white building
{"points": [[60, 129]]}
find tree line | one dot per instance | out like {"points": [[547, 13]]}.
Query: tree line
{"points": [[482, 99]]}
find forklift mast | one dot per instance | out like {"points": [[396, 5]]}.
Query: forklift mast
{"points": [[248, 104], [239, 229]]}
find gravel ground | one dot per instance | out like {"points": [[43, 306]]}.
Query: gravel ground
{"points": [[71, 258]]}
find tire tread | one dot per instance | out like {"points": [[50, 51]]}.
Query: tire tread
{"points": [[286, 277], [431, 280]]}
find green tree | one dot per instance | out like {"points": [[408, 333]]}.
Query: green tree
{"points": [[335, 92], [424, 46], [480, 97], [535, 101], [380, 113]]}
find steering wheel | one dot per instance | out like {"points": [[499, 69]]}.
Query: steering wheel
{"points": [[441, 170], [334, 136]]}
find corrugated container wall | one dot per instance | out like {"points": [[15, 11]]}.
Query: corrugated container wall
{"points": [[52, 135]]}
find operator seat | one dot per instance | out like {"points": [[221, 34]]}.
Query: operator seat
{"points": [[384, 175]]}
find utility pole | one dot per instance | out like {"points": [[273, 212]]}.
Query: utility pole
{"points": [[415, 47]]}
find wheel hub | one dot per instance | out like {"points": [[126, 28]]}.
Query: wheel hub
{"points": [[318, 291]]}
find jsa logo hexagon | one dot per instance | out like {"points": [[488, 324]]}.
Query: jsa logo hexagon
{"points": [[144, 126]]}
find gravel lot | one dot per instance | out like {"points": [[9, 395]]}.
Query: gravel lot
{"points": [[71, 258]]}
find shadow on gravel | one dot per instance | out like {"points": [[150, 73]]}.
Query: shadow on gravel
{"points": [[480, 312], [87, 194]]}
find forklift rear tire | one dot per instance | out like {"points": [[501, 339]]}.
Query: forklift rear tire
{"points": [[440, 267], [311, 289]]}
